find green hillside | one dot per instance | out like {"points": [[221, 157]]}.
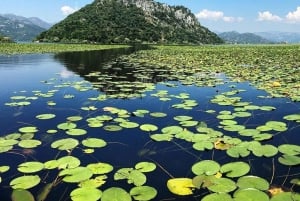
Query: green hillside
{"points": [[125, 21]]}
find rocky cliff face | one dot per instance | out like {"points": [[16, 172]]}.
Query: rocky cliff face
{"points": [[119, 21]]}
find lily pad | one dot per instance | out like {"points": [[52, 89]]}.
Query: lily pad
{"points": [[21, 195], [115, 194], [65, 144], [253, 182], [128, 124], [76, 131], [289, 160], [289, 149], [112, 128], [161, 137], [286, 196], [86, 194], [145, 166], [94, 143], [207, 167], [66, 126], [100, 168], [45, 116], [181, 186], [250, 194], [143, 193], [148, 127], [75, 175], [172, 130], [68, 162], [25, 182], [235, 169], [29, 143], [28, 129], [4, 168], [217, 197], [222, 185], [30, 167]]}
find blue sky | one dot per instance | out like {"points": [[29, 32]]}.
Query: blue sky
{"points": [[217, 15]]}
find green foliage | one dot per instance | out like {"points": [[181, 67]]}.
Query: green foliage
{"points": [[116, 22]]}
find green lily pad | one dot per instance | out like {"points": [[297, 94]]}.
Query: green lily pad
{"points": [[30, 167], [277, 125], [86, 194], [66, 126], [250, 194], [148, 127], [253, 182], [286, 196], [181, 186], [188, 123], [292, 117], [161, 137], [207, 167], [52, 164], [76, 131], [115, 194], [235, 169], [75, 175], [289, 149], [264, 150], [21, 195], [112, 128], [28, 129], [137, 178], [183, 118], [74, 118], [65, 144], [217, 197], [4, 168], [201, 146], [222, 185], [45, 116], [289, 160], [128, 124], [143, 193], [158, 114], [29, 143], [172, 130], [93, 183], [240, 150], [100, 168], [68, 162], [25, 182], [249, 132], [145, 166], [94, 143]]}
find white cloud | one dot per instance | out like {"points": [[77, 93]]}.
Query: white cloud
{"points": [[216, 15], [293, 16], [268, 16], [67, 10]]}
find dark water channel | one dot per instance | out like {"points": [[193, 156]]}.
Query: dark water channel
{"points": [[87, 84]]}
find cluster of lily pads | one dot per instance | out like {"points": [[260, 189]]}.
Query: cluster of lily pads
{"points": [[224, 130]]}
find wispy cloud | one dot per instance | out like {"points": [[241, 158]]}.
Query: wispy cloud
{"points": [[67, 10], [268, 16], [217, 15], [294, 16]]}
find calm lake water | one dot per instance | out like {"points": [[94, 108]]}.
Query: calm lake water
{"points": [[42, 79]]}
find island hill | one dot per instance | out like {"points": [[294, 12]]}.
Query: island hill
{"points": [[127, 21]]}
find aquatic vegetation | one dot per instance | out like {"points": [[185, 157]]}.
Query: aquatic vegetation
{"points": [[160, 124]]}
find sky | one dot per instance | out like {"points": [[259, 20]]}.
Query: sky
{"points": [[217, 15]]}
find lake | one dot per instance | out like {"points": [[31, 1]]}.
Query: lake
{"points": [[95, 122]]}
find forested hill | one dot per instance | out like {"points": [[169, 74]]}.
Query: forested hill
{"points": [[125, 21]]}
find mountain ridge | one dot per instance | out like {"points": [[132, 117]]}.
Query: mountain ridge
{"points": [[234, 37], [124, 21]]}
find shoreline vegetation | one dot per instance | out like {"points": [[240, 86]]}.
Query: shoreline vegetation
{"points": [[32, 48]]}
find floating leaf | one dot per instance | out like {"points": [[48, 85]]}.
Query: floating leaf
{"points": [[29, 143], [292, 117], [112, 128], [128, 124], [94, 143], [86, 194], [76, 174], [253, 182], [45, 116], [143, 193], [66, 126], [137, 178], [100, 168], [158, 114], [93, 183], [217, 197], [207, 167], [145, 166], [289, 149], [65, 144], [28, 129], [25, 182], [4, 168], [148, 127], [183, 118], [172, 130], [222, 185], [21, 195], [181, 186], [76, 131], [235, 169], [161, 137], [250, 194], [289, 160], [286, 196], [115, 194], [52, 164], [68, 162], [30, 167]]}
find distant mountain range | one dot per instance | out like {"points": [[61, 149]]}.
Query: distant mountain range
{"points": [[21, 29], [281, 37]]}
